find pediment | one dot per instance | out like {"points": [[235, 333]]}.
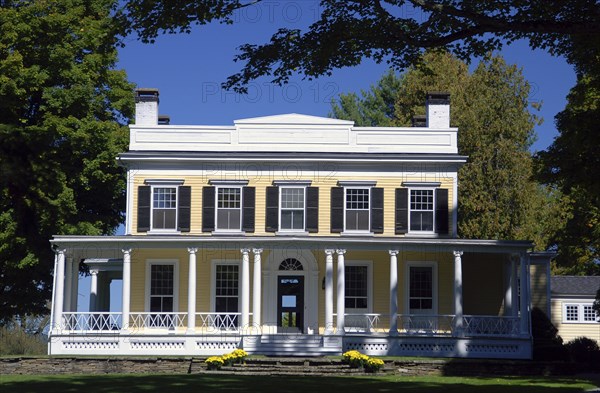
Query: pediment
{"points": [[294, 118]]}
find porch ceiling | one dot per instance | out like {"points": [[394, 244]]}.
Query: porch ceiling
{"points": [[281, 242]]}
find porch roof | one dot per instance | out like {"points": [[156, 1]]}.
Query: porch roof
{"points": [[280, 242]]}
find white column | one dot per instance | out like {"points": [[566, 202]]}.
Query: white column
{"points": [[393, 292], [245, 295], [458, 285], [126, 288], [257, 288], [523, 284], [514, 275], [94, 301], [191, 317], [329, 291], [341, 291], [508, 291], [75, 286], [68, 285], [59, 290]]}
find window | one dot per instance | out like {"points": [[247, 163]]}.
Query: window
{"points": [[226, 295], [229, 208], [421, 210], [292, 208], [161, 288], [357, 209], [421, 289], [164, 207], [579, 313], [356, 281]]}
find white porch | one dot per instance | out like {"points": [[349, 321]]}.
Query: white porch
{"points": [[255, 326]]}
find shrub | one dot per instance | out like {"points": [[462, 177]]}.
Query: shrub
{"points": [[355, 359], [583, 350], [214, 362], [373, 365], [547, 344], [14, 340]]}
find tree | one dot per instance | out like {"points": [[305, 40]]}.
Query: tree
{"points": [[62, 110], [498, 197]]}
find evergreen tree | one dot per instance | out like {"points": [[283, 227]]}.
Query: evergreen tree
{"points": [[62, 110]]}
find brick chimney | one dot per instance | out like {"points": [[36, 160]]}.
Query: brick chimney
{"points": [[146, 107], [438, 109]]}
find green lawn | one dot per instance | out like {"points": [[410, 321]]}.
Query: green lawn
{"points": [[236, 383]]}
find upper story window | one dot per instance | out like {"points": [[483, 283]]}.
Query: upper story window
{"points": [[357, 207], [422, 208], [292, 206], [228, 206], [163, 206]]}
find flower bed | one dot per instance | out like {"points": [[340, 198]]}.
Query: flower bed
{"points": [[238, 356], [356, 359]]}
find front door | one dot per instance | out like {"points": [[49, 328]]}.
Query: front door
{"points": [[290, 304]]}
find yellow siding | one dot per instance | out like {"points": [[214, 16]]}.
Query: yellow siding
{"points": [[539, 287], [569, 331], [389, 184]]}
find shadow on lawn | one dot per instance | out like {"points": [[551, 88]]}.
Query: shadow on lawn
{"points": [[266, 384]]}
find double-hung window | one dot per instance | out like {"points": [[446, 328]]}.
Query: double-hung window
{"points": [[161, 295], [422, 290], [164, 207], [357, 288], [292, 208], [229, 209], [226, 296], [357, 212], [422, 211]]}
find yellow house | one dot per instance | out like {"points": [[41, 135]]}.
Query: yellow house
{"points": [[295, 235]]}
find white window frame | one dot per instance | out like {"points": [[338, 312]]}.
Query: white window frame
{"points": [[357, 231], [213, 281], [426, 188], [435, 289], [149, 264], [281, 229], [369, 265], [241, 208], [580, 305], [164, 183]]}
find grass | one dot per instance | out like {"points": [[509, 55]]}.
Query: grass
{"points": [[238, 383]]}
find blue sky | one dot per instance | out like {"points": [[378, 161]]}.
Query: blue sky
{"points": [[189, 68]]}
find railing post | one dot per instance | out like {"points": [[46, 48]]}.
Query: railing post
{"points": [[329, 291], [341, 292]]}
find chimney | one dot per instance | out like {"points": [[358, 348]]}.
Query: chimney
{"points": [[438, 109], [419, 121], [146, 107]]}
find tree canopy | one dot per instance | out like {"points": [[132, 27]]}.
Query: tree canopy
{"points": [[62, 110], [498, 197]]}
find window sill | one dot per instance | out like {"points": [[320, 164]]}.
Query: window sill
{"points": [[228, 233], [291, 233], [357, 233], [164, 232]]}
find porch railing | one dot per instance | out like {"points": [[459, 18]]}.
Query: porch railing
{"points": [[91, 321], [426, 324], [477, 325]]}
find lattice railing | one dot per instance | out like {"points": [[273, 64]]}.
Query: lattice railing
{"points": [[218, 322], [91, 321], [362, 323], [476, 325], [426, 324], [152, 320]]}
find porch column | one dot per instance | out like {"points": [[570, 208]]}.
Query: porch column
{"points": [[59, 290], [523, 284], [245, 295], [257, 288], [126, 288], [514, 276], [94, 291], [458, 285], [509, 299], [191, 317], [75, 285], [329, 291], [341, 291], [68, 285], [393, 292]]}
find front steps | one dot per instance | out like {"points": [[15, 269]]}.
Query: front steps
{"points": [[286, 345], [287, 366]]}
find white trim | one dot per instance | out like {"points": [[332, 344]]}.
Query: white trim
{"points": [[357, 183], [129, 203], [166, 182], [238, 230], [369, 265], [283, 183], [424, 188], [424, 184], [357, 231], [147, 283], [435, 293], [455, 211], [163, 230], [233, 183], [213, 279], [580, 304], [280, 194]]}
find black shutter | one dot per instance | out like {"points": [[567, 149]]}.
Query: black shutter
{"points": [[249, 201], [143, 211], [401, 210], [184, 204], [441, 211], [337, 209], [312, 209], [272, 213], [377, 210], [208, 209]]}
